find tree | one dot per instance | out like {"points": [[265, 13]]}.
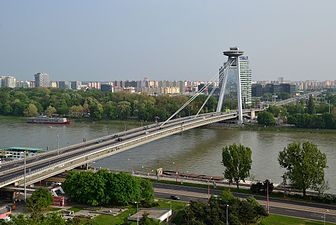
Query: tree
{"points": [[261, 188], [305, 165], [147, 191], [275, 110], [31, 110], [311, 108], [145, 220], [50, 110], [247, 211], [124, 109], [237, 161], [76, 111], [39, 200], [105, 188], [266, 119]]}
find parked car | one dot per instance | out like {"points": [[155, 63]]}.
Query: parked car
{"points": [[175, 197]]}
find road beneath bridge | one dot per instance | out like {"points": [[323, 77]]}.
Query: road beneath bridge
{"points": [[48, 164]]}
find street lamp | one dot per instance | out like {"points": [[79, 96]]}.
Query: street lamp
{"points": [[25, 173], [267, 195], [176, 173], [57, 144], [227, 214], [209, 187], [137, 204], [324, 216]]}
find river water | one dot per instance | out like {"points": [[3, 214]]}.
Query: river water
{"points": [[194, 151]]}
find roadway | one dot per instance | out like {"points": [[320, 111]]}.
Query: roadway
{"points": [[13, 171], [279, 206], [50, 163]]}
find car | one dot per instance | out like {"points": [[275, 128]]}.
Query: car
{"points": [[175, 197], [119, 139]]}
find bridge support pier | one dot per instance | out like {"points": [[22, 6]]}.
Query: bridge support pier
{"points": [[231, 64]]}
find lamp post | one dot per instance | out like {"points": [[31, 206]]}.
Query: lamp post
{"points": [[209, 193], [267, 195], [25, 173], [137, 204], [176, 173], [227, 214], [324, 216], [57, 144]]}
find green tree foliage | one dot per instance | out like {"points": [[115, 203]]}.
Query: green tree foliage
{"points": [[104, 188], [76, 111], [311, 108], [50, 110], [145, 220], [324, 121], [247, 211], [39, 200], [31, 110], [283, 96], [261, 188], [237, 162], [305, 165], [275, 110], [100, 105], [266, 119]]}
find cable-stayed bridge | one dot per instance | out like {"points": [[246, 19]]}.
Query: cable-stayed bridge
{"points": [[41, 166]]}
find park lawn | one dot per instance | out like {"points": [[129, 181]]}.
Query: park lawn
{"points": [[286, 220], [114, 220], [76, 208], [175, 205]]}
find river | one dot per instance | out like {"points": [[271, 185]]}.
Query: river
{"points": [[193, 151]]}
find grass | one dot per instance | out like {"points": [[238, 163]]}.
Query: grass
{"points": [[76, 208], [246, 191], [114, 220], [232, 189], [286, 220], [13, 118], [256, 127], [175, 205]]}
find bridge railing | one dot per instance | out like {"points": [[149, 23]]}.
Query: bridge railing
{"points": [[124, 145]]}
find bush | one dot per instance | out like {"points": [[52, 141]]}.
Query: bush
{"points": [[266, 119], [260, 188], [105, 188]]}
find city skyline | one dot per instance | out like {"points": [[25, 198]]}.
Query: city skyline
{"points": [[165, 40]]}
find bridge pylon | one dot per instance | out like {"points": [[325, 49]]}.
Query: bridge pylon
{"points": [[232, 64]]}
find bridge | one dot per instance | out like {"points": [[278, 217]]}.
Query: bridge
{"points": [[47, 164], [36, 168]]}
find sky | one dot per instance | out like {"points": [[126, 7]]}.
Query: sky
{"points": [[166, 39]]}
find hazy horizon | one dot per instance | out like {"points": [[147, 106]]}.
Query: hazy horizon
{"points": [[165, 40]]}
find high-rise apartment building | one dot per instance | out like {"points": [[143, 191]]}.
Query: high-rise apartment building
{"points": [[75, 85], [42, 80], [246, 80], [7, 81], [63, 84], [23, 84], [232, 81]]}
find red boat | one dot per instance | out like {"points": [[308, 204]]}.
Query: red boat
{"points": [[48, 120]]}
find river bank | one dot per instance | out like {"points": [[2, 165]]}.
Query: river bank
{"points": [[256, 127], [251, 127], [194, 151]]}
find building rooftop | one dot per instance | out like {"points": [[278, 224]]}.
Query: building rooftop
{"points": [[159, 214], [22, 149], [233, 52]]}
